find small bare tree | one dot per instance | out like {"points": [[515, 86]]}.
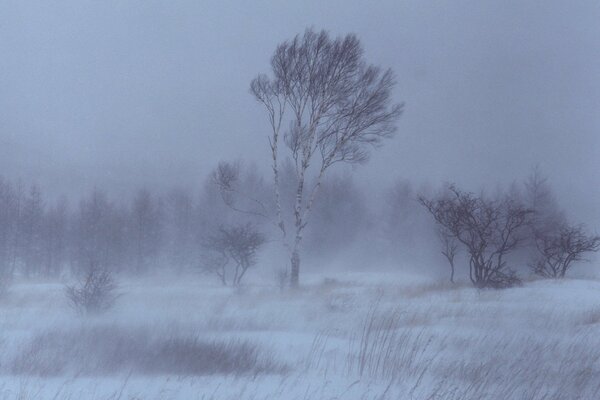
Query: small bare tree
{"points": [[214, 259], [489, 229], [547, 215], [95, 292], [559, 249], [449, 249], [334, 106], [282, 278], [233, 248]]}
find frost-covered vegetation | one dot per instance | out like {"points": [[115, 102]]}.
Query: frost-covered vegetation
{"points": [[357, 337]]}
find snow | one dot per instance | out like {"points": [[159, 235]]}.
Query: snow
{"points": [[443, 341]]}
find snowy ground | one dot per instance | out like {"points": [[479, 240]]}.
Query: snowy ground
{"points": [[342, 337]]}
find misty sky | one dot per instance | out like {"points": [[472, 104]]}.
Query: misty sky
{"points": [[123, 93]]}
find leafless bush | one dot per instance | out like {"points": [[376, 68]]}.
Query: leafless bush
{"points": [[237, 243], [488, 228], [96, 292], [110, 349], [559, 248]]}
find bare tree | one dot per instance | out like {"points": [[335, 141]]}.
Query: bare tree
{"points": [[237, 243], [449, 249], [55, 237], [8, 225], [31, 230], [559, 249], [214, 260], [328, 105], [181, 227], [488, 228], [539, 197], [239, 192], [339, 217], [92, 232], [146, 228]]}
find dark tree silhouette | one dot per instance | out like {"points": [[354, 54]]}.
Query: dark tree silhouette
{"points": [[489, 229], [559, 249], [329, 106], [449, 250], [236, 245]]}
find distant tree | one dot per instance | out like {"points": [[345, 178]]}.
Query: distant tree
{"points": [[16, 247], [98, 233], [557, 243], [232, 250], [7, 225], [489, 229], [7, 232], [334, 105], [405, 225], [182, 226], [214, 259], [401, 209], [55, 238], [31, 229], [538, 196], [241, 189], [449, 249], [559, 248], [340, 216], [146, 229]]}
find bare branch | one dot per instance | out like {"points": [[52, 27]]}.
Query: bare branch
{"points": [[488, 229], [339, 107]]}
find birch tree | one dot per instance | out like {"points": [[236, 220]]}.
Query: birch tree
{"points": [[325, 106]]}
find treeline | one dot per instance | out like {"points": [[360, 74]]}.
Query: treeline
{"points": [[202, 228], [150, 230], [44, 238]]}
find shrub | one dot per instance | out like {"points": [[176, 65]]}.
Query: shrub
{"points": [[238, 243], [489, 229], [96, 292], [559, 248]]}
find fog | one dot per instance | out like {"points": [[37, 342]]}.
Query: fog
{"points": [[146, 250], [120, 94]]}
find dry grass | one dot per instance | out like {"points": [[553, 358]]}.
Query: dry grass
{"points": [[591, 317], [106, 350], [431, 342]]}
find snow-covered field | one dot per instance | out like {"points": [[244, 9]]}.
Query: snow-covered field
{"points": [[339, 337]]}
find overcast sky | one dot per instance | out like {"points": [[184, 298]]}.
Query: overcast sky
{"points": [[121, 93]]}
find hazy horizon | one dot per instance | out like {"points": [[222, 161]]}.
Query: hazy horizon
{"points": [[119, 95]]}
